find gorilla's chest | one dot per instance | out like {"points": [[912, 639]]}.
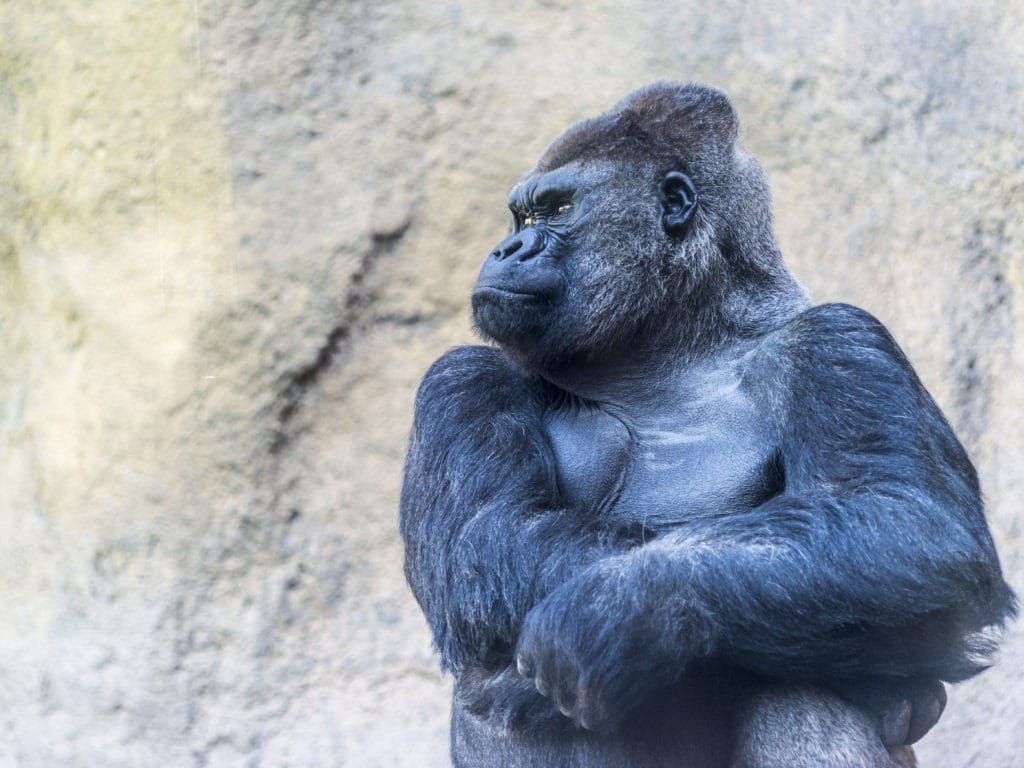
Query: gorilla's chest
{"points": [[707, 453]]}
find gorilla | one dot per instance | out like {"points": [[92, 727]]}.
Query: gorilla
{"points": [[676, 515]]}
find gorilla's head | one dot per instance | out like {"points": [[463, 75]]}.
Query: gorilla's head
{"points": [[647, 226]]}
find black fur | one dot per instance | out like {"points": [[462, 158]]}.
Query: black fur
{"points": [[678, 506]]}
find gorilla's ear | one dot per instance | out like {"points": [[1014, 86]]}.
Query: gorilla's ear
{"points": [[678, 202]]}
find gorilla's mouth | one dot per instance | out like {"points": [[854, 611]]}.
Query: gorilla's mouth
{"points": [[507, 314], [482, 291]]}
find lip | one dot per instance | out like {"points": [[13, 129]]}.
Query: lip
{"points": [[494, 290]]}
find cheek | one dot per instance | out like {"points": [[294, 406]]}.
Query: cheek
{"points": [[599, 299], [616, 266]]}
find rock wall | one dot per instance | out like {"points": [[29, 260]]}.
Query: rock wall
{"points": [[233, 234]]}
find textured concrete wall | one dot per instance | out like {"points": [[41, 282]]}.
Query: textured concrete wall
{"points": [[233, 233]]}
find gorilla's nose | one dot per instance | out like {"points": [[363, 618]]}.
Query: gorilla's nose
{"points": [[520, 246]]}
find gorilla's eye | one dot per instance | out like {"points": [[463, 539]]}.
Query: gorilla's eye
{"points": [[529, 220], [564, 208]]}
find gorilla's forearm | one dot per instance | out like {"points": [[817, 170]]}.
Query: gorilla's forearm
{"points": [[484, 537], [816, 590], [830, 594], [475, 608]]}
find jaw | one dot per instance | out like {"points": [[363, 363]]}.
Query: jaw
{"points": [[531, 329], [513, 318]]}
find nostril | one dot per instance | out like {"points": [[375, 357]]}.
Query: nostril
{"points": [[531, 244], [521, 246], [507, 248]]}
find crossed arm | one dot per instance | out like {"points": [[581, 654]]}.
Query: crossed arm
{"points": [[873, 564], [485, 539], [874, 561]]}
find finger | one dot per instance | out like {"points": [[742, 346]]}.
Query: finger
{"points": [[524, 665], [563, 694], [542, 685], [591, 712]]}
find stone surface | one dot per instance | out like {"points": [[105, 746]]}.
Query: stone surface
{"points": [[233, 234]]}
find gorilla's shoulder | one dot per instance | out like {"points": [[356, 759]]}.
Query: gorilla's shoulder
{"points": [[474, 379], [837, 318], [840, 331], [840, 353], [472, 366], [472, 360]]}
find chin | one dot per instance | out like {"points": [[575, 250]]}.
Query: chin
{"points": [[509, 319]]}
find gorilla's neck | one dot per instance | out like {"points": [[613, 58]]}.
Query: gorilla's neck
{"points": [[720, 320]]}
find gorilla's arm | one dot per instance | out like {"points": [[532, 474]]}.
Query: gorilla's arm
{"points": [[874, 560], [484, 539]]}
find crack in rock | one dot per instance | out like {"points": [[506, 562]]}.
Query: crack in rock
{"points": [[358, 299]]}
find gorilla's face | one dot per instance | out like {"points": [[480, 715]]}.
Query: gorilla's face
{"points": [[585, 264]]}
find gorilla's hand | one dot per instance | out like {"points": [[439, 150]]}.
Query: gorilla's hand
{"points": [[597, 646], [507, 700]]}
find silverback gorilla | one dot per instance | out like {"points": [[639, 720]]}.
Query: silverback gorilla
{"points": [[678, 516]]}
